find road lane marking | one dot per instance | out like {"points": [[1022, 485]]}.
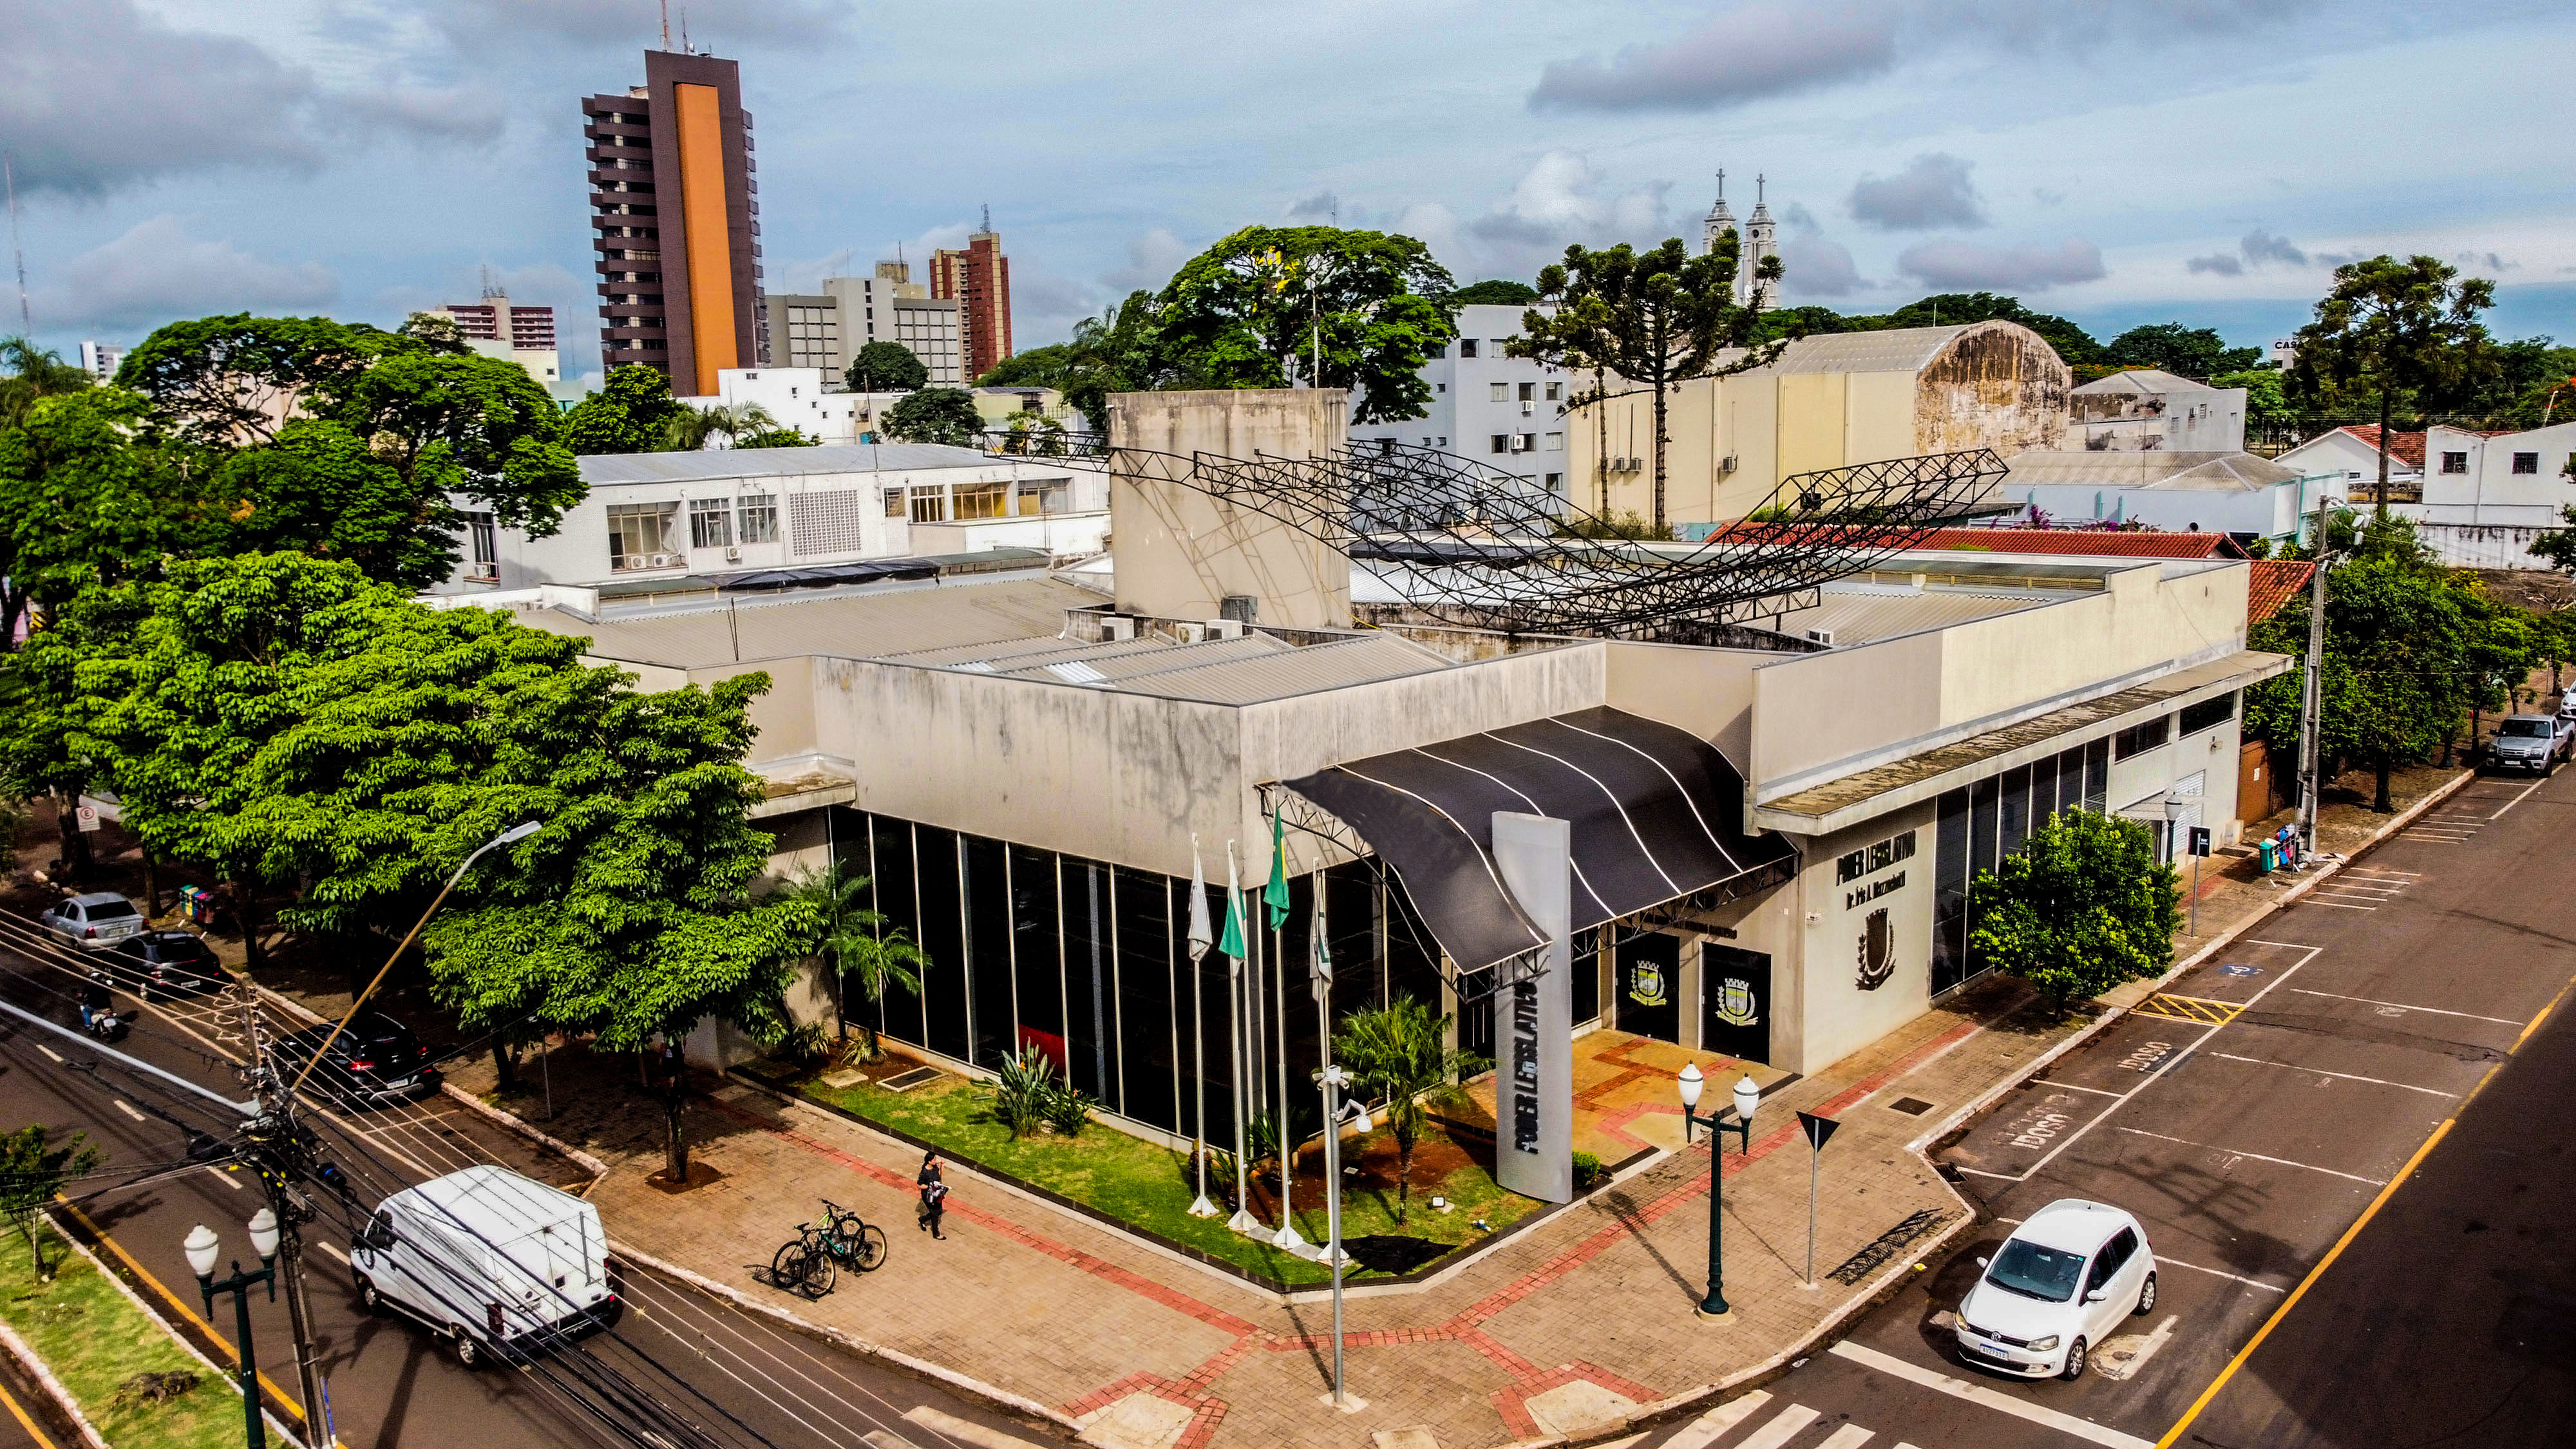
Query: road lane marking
{"points": [[2377, 870], [2402, 1006], [965, 1431], [1783, 1426], [49, 1052], [226, 1178], [334, 1250], [43, 1440], [2070, 1086], [128, 1110], [1705, 1430], [144, 1276], [2122, 1357], [1849, 1436], [2346, 1076], [1980, 1395], [2163, 1261], [2385, 1193], [2257, 1156], [2518, 799]]}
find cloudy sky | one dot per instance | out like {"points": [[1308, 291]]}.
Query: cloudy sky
{"points": [[2200, 160]]}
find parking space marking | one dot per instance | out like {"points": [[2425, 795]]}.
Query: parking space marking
{"points": [[2121, 1357], [2163, 1262], [1980, 1395], [2070, 1086], [129, 1111], [2518, 799], [2256, 1156], [2337, 905], [2402, 1006], [2345, 1076], [2200, 1011]]}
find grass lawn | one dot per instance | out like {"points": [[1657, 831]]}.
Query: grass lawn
{"points": [[94, 1338], [1148, 1186]]}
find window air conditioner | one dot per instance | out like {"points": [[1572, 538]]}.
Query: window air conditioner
{"points": [[1519, 444], [1122, 627], [1820, 636], [1527, 407]]}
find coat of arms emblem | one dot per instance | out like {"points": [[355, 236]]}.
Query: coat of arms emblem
{"points": [[1646, 983], [1735, 1004], [1877, 950]]}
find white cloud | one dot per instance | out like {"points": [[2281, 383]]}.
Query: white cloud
{"points": [[1151, 260], [1978, 266], [1932, 191], [157, 271]]}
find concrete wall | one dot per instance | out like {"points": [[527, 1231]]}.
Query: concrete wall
{"points": [[1818, 716], [1708, 692], [1997, 385], [1836, 1015], [1181, 552]]}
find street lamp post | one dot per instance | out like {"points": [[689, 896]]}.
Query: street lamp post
{"points": [[201, 1245], [1747, 1097]]}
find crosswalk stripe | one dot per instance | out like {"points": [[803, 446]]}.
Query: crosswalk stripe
{"points": [[1705, 1430], [1959, 1388], [1849, 1436], [1782, 1428]]}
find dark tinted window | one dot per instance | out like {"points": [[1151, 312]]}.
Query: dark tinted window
{"points": [[110, 910], [2201, 716], [2525, 729]]}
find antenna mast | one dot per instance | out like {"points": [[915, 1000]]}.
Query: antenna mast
{"points": [[666, 24], [9, 170]]}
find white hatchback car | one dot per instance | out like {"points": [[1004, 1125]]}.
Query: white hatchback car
{"points": [[2059, 1285]]}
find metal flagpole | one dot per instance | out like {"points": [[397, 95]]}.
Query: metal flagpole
{"points": [[1243, 1221], [1330, 1079], [1202, 940], [1276, 899]]}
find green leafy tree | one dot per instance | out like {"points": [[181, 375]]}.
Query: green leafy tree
{"points": [[886, 367], [92, 492], [936, 415], [2193, 352], [233, 381], [1951, 309], [778, 438], [2558, 545], [1803, 322], [2267, 402], [2388, 329], [1657, 319], [1494, 292], [856, 944], [1357, 311], [31, 1172], [692, 428], [1036, 367], [631, 413], [1400, 1051], [1118, 351], [33, 373], [1033, 434], [2082, 906]]}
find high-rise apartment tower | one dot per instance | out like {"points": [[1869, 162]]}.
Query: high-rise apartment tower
{"points": [[675, 205], [978, 279]]}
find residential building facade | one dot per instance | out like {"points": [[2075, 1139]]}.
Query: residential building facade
{"points": [[1503, 412], [516, 332], [2144, 410], [675, 216], [827, 330], [978, 278], [100, 360]]}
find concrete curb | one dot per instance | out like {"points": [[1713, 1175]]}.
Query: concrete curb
{"points": [[977, 1388], [1665, 1410], [25, 1353]]}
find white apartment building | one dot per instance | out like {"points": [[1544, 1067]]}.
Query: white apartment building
{"points": [[807, 399], [1501, 411], [678, 517], [2488, 495], [100, 360], [826, 330]]}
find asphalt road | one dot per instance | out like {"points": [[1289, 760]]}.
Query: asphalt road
{"points": [[2271, 1104], [678, 1356]]}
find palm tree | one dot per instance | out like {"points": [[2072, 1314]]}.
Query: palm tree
{"points": [[32, 373], [854, 939], [690, 428], [1402, 1052]]}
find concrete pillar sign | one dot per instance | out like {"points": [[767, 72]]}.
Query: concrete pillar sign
{"points": [[1534, 1016]]}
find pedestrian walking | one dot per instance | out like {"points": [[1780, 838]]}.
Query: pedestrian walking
{"points": [[934, 1196]]}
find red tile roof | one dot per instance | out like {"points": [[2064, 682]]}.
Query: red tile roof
{"points": [[2101, 542], [2403, 447], [2274, 581]]}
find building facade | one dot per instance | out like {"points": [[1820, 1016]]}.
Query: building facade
{"points": [[100, 360], [1503, 412], [498, 327], [675, 216], [2143, 410], [826, 330], [977, 278]]}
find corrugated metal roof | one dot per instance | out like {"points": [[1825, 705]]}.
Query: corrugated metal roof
{"points": [[1901, 349], [1112, 664], [2198, 471], [1336, 665], [852, 626], [711, 463], [2103, 542], [1857, 618], [2143, 379]]}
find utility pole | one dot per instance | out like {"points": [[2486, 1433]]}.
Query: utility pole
{"points": [[278, 1151], [2311, 698]]}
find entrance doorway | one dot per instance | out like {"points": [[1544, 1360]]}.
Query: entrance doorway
{"points": [[1735, 1002], [1648, 981]]}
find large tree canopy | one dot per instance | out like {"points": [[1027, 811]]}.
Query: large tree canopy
{"points": [[935, 415], [631, 413], [883, 366], [2194, 352], [227, 381], [91, 492], [1278, 306], [2388, 329]]}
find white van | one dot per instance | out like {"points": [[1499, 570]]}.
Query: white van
{"points": [[487, 1259]]}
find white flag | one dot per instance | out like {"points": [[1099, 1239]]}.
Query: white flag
{"points": [[1202, 936]]}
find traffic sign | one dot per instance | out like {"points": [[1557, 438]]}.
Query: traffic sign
{"points": [[2200, 840], [1819, 1130]]}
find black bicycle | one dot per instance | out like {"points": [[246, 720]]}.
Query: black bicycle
{"points": [[810, 1264]]}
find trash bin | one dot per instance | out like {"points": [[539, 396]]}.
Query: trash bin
{"points": [[2270, 854]]}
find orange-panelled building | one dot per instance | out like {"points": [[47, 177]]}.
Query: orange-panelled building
{"points": [[675, 222]]}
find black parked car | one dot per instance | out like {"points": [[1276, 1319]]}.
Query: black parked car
{"points": [[376, 1059], [162, 964]]}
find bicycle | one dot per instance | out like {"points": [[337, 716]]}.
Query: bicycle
{"points": [[809, 1264]]}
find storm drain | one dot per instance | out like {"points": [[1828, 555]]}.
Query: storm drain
{"points": [[1910, 1106]]}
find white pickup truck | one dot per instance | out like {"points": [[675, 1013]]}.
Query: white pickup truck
{"points": [[497, 1263]]}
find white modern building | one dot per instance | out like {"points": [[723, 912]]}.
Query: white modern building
{"points": [[692, 519], [100, 360], [1504, 412], [2144, 410], [807, 399], [2196, 492], [826, 330], [2354, 452], [2486, 496]]}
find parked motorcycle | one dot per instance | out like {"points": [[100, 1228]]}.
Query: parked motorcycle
{"points": [[110, 1026]]}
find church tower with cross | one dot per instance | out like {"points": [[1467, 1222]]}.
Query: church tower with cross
{"points": [[1761, 241], [1721, 220]]}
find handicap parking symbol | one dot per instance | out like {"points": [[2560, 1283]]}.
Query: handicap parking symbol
{"points": [[2240, 970]]}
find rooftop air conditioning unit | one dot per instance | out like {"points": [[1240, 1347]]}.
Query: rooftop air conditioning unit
{"points": [[663, 560], [732, 554], [1820, 636], [1225, 628], [1122, 627], [1190, 631]]}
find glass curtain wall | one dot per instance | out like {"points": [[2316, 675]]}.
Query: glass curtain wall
{"points": [[1089, 963], [1975, 827]]}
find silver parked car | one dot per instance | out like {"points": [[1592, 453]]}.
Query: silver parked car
{"points": [[2534, 742], [94, 921]]}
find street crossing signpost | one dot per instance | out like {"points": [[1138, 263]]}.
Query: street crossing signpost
{"points": [[1819, 1130]]}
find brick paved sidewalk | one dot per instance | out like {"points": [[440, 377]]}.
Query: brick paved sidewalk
{"points": [[1577, 1327]]}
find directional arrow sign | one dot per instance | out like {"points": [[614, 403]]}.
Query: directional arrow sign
{"points": [[1819, 1130]]}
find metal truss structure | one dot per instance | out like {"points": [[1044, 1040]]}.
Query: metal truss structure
{"points": [[1471, 545]]}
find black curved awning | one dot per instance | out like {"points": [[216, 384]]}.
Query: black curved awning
{"points": [[1654, 813]]}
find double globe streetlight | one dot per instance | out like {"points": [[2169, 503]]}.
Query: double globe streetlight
{"points": [[202, 1247], [1747, 1097]]}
